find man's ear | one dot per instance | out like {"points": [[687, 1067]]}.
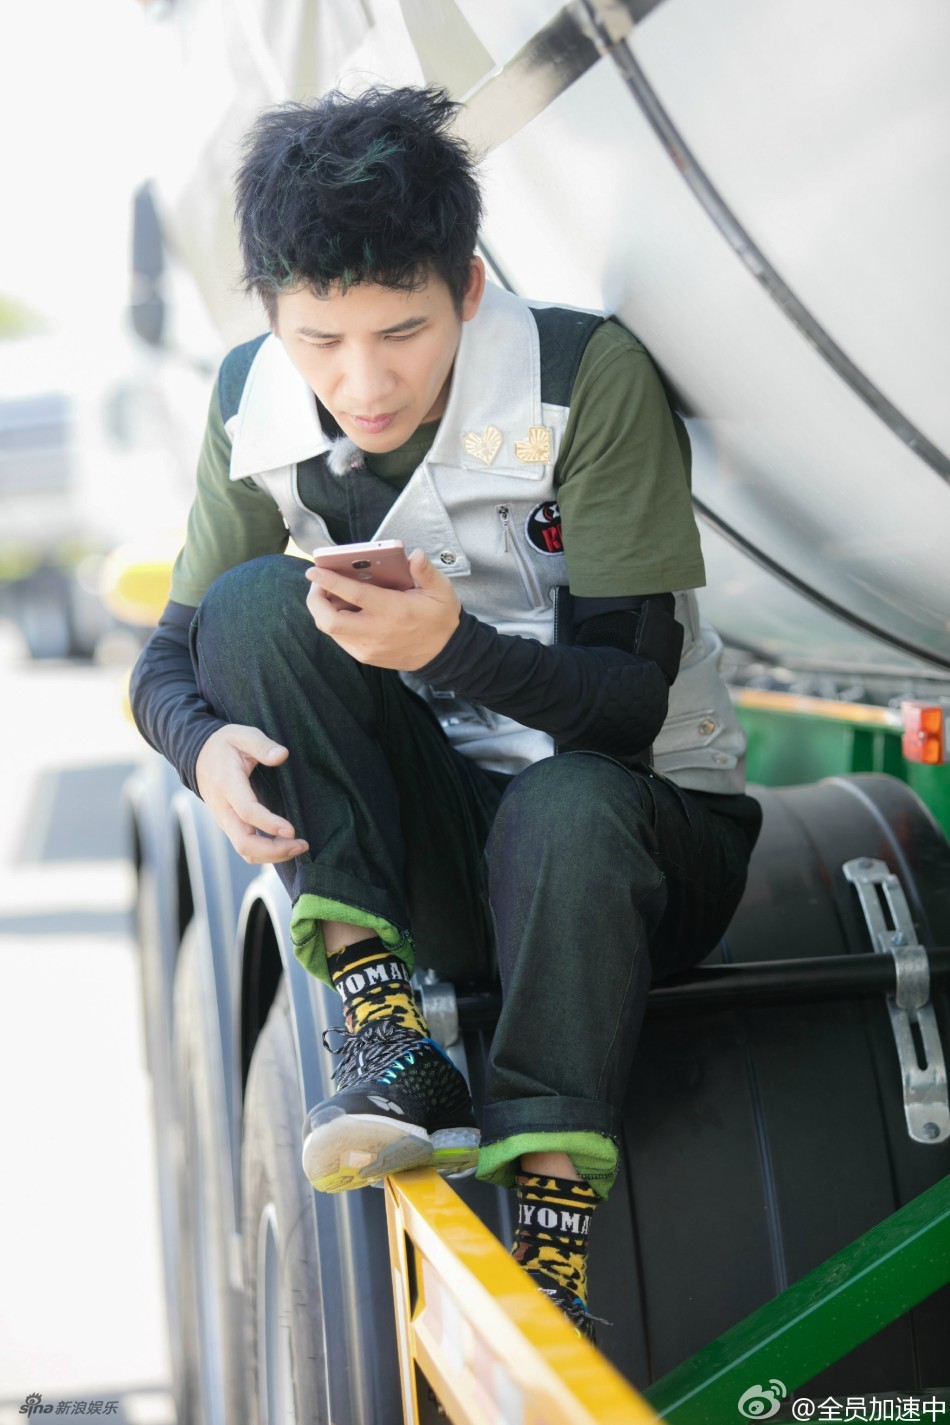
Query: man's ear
{"points": [[474, 289]]}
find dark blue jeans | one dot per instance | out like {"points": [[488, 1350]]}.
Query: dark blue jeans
{"points": [[581, 879]]}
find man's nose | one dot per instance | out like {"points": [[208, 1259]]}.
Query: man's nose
{"points": [[368, 381]]}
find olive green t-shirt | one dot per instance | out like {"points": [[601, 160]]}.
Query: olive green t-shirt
{"points": [[623, 477]]}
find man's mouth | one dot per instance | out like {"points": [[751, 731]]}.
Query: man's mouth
{"points": [[374, 425]]}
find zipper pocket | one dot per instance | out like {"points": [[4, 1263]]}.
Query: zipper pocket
{"points": [[529, 579], [563, 614]]}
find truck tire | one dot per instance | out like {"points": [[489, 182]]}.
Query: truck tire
{"points": [[283, 1297], [212, 1390], [168, 1136]]}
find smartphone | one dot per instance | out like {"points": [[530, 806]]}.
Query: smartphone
{"points": [[381, 562]]}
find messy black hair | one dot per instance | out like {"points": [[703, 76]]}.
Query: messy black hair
{"points": [[348, 190]]}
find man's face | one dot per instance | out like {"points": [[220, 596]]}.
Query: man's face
{"points": [[380, 360]]}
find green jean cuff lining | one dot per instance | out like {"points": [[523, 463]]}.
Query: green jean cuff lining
{"points": [[306, 932], [594, 1156]]}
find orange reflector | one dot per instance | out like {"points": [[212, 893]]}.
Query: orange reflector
{"points": [[924, 733]]}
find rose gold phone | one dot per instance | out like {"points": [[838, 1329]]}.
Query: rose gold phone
{"points": [[381, 562]]}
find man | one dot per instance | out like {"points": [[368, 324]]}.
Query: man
{"points": [[531, 461]]}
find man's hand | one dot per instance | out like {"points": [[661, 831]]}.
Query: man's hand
{"points": [[223, 774], [391, 628]]}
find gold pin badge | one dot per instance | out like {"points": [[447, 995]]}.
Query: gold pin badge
{"points": [[485, 446], [536, 450]]}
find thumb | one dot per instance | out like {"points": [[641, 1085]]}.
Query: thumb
{"points": [[258, 745], [422, 569]]}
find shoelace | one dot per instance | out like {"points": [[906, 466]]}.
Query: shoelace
{"points": [[574, 1310], [572, 1306], [366, 1052]]}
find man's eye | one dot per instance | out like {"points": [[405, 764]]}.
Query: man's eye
{"points": [[403, 336]]}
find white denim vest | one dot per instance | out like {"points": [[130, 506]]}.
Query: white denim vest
{"points": [[490, 467]]}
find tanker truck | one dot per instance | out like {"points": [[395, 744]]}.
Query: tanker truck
{"points": [[757, 193]]}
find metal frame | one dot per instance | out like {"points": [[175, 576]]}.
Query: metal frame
{"points": [[474, 1326], [819, 1319]]}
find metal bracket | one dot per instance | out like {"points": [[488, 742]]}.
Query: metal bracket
{"points": [[439, 1007], [922, 1062], [605, 22]]}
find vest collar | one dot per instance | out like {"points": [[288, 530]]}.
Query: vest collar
{"points": [[496, 386], [277, 421], [496, 383]]}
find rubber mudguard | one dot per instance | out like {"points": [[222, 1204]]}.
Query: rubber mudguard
{"points": [[760, 1141]]}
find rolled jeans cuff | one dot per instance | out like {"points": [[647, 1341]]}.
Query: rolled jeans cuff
{"points": [[585, 1129], [311, 909]]}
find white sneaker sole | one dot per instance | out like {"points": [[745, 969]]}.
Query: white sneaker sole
{"points": [[354, 1150]]}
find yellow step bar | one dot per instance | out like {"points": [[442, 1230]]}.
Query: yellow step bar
{"points": [[473, 1327]]}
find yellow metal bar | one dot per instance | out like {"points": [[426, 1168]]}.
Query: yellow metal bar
{"points": [[399, 1249], [816, 707], [490, 1345]]}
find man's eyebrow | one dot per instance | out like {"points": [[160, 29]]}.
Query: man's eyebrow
{"points": [[409, 324]]}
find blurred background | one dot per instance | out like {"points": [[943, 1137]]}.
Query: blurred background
{"points": [[83, 472]]}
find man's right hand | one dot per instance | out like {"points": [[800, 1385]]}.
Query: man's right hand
{"points": [[223, 774]]}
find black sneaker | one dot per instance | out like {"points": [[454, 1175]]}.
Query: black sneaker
{"points": [[400, 1103], [569, 1302]]}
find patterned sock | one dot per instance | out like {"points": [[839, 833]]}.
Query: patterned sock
{"points": [[373, 985], [554, 1216]]}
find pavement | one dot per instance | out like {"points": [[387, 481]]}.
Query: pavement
{"points": [[81, 1298]]}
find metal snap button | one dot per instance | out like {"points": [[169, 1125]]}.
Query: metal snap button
{"points": [[720, 757], [707, 727], [447, 556]]}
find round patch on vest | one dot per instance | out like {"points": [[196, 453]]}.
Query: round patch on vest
{"points": [[543, 529]]}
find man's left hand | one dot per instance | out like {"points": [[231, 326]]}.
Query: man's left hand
{"points": [[391, 628]]}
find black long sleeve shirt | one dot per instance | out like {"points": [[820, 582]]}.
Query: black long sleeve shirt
{"points": [[606, 691]]}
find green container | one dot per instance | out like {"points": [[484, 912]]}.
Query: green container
{"points": [[790, 745]]}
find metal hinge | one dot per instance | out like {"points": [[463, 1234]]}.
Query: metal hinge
{"points": [[916, 1034]]}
